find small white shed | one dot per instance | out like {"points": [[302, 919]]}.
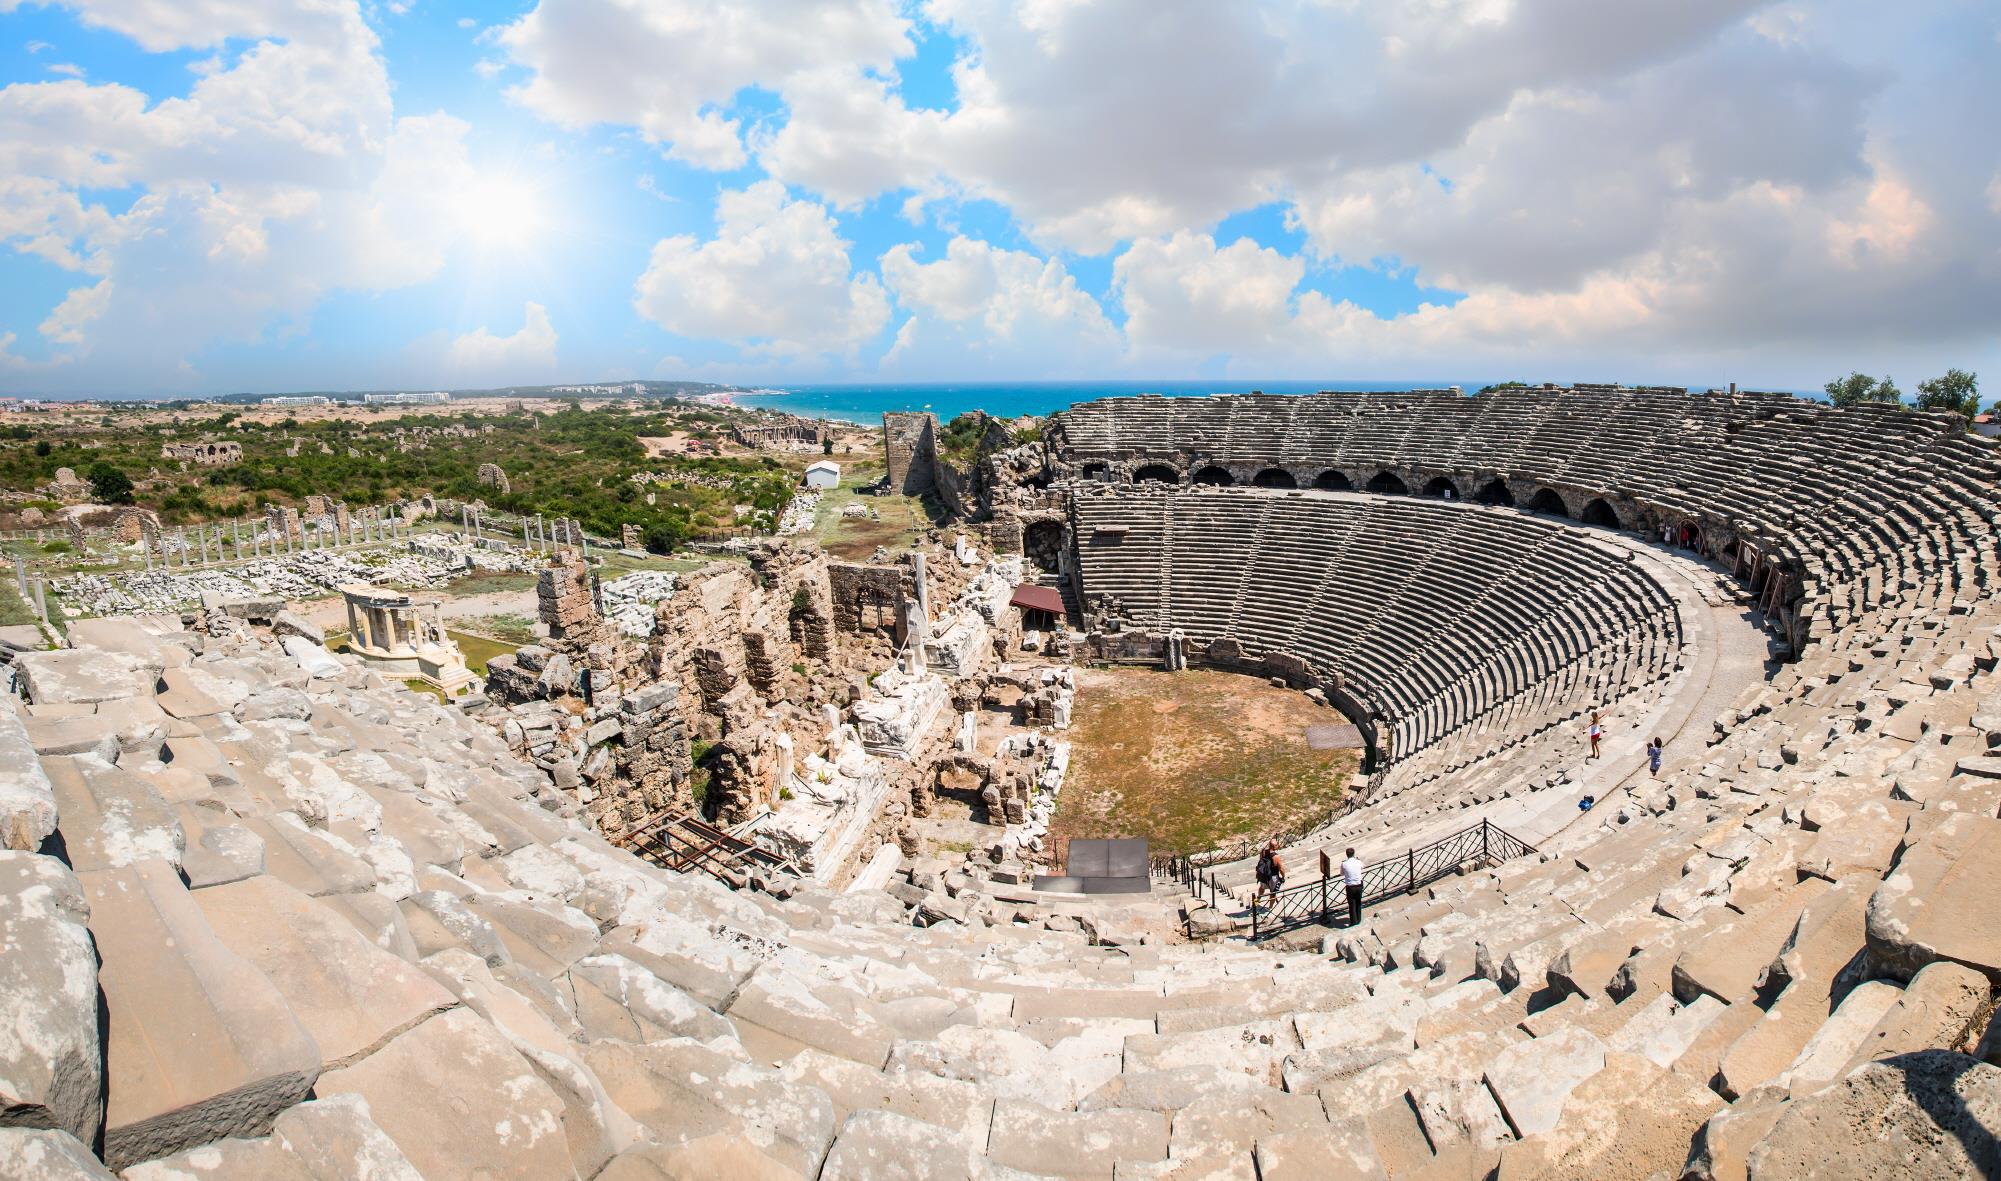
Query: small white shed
{"points": [[823, 473]]}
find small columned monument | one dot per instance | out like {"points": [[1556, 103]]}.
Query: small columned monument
{"points": [[405, 637]]}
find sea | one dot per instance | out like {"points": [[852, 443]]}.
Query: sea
{"points": [[866, 403]]}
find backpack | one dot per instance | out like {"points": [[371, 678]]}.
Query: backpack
{"points": [[1267, 867]]}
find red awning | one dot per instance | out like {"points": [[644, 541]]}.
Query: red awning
{"points": [[1038, 598]]}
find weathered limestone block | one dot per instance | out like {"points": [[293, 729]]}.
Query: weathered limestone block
{"points": [[959, 1107], [1035, 1139], [1936, 905], [1730, 960], [616, 997], [1624, 1121], [1665, 1028], [111, 817], [459, 1102], [1825, 1057], [350, 995], [680, 1090], [876, 1145], [1937, 1011], [84, 675], [333, 1139], [595, 1128], [27, 801], [735, 1157], [1924, 1115], [42, 1155], [1531, 1080], [200, 1045], [1341, 1149], [49, 1052]]}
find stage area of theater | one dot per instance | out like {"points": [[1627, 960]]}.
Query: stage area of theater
{"points": [[1191, 760]]}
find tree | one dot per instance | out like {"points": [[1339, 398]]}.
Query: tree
{"points": [[1857, 388], [827, 445], [1958, 391], [108, 485]]}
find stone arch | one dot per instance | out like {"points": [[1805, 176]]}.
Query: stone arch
{"points": [[1219, 477], [1388, 484], [1156, 473], [1333, 480], [1495, 492], [1600, 513], [1546, 500], [1274, 477], [1043, 542], [1442, 488]]}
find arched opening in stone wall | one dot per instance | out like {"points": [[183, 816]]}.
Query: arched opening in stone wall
{"points": [[1601, 514], [1156, 473], [1442, 488], [1495, 492], [1333, 481], [1274, 477], [1547, 501], [1042, 544], [1388, 484], [1215, 476]]}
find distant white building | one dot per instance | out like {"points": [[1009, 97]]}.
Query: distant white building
{"points": [[295, 400], [824, 473]]}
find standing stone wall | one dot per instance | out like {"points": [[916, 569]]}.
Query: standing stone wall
{"points": [[909, 443]]}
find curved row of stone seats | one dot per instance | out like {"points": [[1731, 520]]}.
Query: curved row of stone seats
{"points": [[1439, 615], [1852, 502], [342, 933]]}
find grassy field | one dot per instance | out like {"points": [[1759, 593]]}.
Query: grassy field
{"points": [[898, 522], [1193, 759]]}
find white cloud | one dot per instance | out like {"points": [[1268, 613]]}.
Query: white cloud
{"points": [[998, 312], [666, 67], [774, 278], [67, 69], [281, 175], [524, 355]]}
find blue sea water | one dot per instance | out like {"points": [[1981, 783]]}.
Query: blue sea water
{"points": [[866, 403]]}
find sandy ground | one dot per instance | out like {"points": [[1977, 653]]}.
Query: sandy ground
{"points": [[1190, 760]]}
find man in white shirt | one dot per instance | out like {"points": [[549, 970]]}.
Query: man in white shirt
{"points": [[1351, 876]]}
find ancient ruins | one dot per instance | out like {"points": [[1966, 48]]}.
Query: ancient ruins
{"points": [[672, 898], [205, 453]]}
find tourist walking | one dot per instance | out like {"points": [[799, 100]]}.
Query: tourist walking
{"points": [[1351, 877], [1271, 872], [1655, 748], [1597, 732]]}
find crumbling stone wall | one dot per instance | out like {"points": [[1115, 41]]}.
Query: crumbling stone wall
{"points": [[868, 598], [207, 453], [491, 476]]}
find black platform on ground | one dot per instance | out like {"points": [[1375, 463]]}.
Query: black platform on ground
{"points": [[1102, 867]]}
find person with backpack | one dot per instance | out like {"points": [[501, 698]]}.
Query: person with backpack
{"points": [[1271, 872]]}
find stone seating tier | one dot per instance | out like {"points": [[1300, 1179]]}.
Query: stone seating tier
{"points": [[311, 908]]}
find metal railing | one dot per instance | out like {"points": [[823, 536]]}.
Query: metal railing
{"points": [[1320, 899], [683, 842]]}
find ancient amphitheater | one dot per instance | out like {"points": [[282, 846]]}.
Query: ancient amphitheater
{"points": [[268, 918]]}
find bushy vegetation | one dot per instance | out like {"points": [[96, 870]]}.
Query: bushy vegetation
{"points": [[1956, 391], [577, 463]]}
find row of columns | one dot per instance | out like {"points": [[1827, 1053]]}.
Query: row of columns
{"points": [[262, 539]]}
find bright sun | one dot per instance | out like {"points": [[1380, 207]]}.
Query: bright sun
{"points": [[500, 212]]}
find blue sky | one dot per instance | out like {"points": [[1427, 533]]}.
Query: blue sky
{"points": [[260, 195]]}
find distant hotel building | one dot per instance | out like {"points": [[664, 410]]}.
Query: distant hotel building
{"points": [[431, 399], [296, 400]]}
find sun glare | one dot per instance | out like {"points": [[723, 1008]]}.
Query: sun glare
{"points": [[500, 213]]}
